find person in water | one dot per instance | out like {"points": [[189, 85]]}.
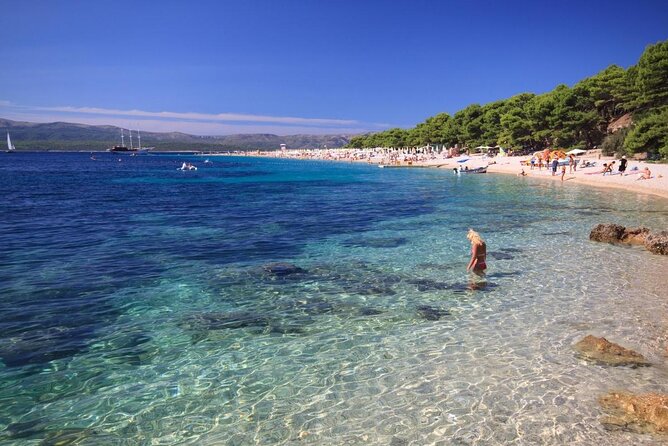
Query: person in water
{"points": [[478, 253]]}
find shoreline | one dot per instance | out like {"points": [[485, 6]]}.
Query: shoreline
{"points": [[657, 185]]}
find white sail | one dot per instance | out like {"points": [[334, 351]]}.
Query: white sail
{"points": [[10, 147]]}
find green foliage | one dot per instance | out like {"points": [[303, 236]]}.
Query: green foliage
{"points": [[652, 77], [613, 144], [650, 134], [516, 127], [565, 117], [610, 91]]}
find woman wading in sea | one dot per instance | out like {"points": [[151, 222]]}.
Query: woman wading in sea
{"points": [[478, 253]]}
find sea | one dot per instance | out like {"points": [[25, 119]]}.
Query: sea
{"points": [[269, 301]]}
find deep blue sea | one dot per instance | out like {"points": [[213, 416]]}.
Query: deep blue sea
{"points": [[270, 301]]}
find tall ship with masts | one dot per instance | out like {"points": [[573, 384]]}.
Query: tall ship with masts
{"points": [[124, 148]]}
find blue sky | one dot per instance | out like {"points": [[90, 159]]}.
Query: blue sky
{"points": [[286, 67]]}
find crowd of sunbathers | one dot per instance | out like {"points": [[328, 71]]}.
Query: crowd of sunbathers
{"points": [[608, 169]]}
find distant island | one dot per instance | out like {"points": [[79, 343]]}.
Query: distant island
{"points": [[66, 136]]}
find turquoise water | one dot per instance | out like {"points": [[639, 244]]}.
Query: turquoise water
{"points": [[269, 301]]}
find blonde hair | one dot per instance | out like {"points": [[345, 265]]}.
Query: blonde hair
{"points": [[474, 237]]}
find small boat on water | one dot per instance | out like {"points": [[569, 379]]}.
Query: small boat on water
{"points": [[460, 170], [10, 147], [187, 166]]}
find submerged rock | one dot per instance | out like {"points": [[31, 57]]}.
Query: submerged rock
{"points": [[132, 348], [376, 242], [222, 321], [429, 285], [40, 428], [282, 269], [431, 313], [500, 275], [40, 346], [287, 329], [368, 311], [513, 249], [643, 413], [376, 291], [71, 436], [500, 255], [657, 243], [602, 351]]}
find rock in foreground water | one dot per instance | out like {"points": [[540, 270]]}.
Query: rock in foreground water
{"points": [[602, 351], [609, 233], [644, 413], [657, 243]]}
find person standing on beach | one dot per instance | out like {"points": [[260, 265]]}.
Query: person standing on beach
{"points": [[555, 162], [478, 253], [563, 172], [622, 165]]}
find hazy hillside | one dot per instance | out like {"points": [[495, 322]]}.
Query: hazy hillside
{"points": [[69, 136]]}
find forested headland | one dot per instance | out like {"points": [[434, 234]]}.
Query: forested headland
{"points": [[566, 117]]}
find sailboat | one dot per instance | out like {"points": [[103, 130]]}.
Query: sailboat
{"points": [[10, 147]]}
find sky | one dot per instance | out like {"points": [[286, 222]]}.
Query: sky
{"points": [[311, 66]]}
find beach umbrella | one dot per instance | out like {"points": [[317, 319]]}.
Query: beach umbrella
{"points": [[576, 152]]}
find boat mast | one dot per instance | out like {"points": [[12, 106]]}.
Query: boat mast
{"points": [[122, 139], [139, 138], [130, 131]]}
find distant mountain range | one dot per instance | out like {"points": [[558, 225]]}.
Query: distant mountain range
{"points": [[69, 136]]}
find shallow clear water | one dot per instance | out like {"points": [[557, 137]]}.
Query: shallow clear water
{"points": [[139, 304]]}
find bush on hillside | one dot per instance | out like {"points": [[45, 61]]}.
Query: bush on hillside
{"points": [[613, 144], [649, 134]]}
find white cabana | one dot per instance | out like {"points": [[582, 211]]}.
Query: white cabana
{"points": [[576, 152]]}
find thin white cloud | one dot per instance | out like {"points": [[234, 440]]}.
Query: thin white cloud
{"points": [[187, 122], [222, 117]]}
